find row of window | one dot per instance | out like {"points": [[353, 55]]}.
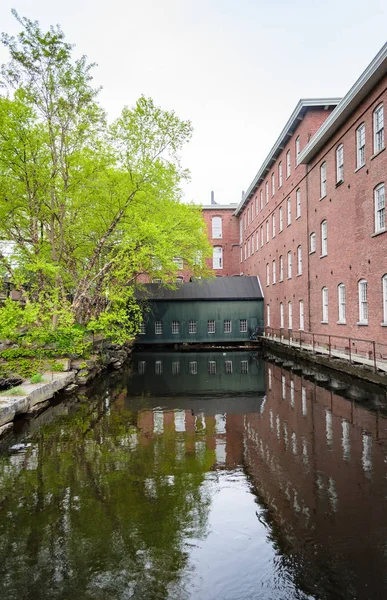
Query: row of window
{"points": [[341, 302], [193, 367], [360, 140], [192, 327], [253, 210], [249, 245], [281, 267]]}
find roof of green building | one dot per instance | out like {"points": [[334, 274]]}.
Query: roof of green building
{"points": [[219, 288]]}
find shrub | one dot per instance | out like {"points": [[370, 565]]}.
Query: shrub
{"points": [[37, 378]]}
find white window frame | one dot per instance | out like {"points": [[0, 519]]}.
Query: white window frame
{"points": [[261, 236], [281, 219], [216, 223], [217, 257], [280, 174], [268, 316], [193, 367], [192, 327], [158, 327], [340, 163], [302, 315], [290, 259], [281, 268], [290, 315], [323, 180], [245, 248], [211, 326], [261, 199], [324, 237], [312, 242], [267, 232], [248, 247], [324, 303], [273, 225], [267, 274], [380, 207], [360, 146], [175, 327], [282, 316], [341, 302], [288, 164], [256, 205], [274, 272], [243, 325], [212, 367], [228, 367], [299, 260], [227, 326], [297, 146], [289, 211], [272, 184], [267, 192], [378, 122], [363, 301], [256, 240], [244, 367], [384, 296], [298, 203]]}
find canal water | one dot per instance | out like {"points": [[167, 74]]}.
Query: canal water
{"points": [[197, 476]]}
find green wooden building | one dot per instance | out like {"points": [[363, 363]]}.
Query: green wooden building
{"points": [[221, 310]]}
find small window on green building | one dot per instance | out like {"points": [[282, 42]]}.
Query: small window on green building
{"points": [[159, 367], [176, 367], [211, 326], [141, 367], [228, 367], [244, 367], [175, 327], [142, 329], [243, 325], [158, 327], [227, 326], [212, 367], [192, 327], [193, 367]]}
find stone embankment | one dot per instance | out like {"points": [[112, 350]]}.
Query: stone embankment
{"points": [[28, 398]]}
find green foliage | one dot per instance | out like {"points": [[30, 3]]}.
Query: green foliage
{"points": [[17, 391], [37, 378]]}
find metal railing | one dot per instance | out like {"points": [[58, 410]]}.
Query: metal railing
{"points": [[338, 346]]}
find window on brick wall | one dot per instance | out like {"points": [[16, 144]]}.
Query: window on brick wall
{"points": [[267, 191], [273, 224], [248, 248], [289, 211], [240, 230], [289, 264], [282, 316], [268, 319], [267, 274], [252, 244], [302, 318], [324, 238], [248, 216], [340, 163], [267, 232], [290, 315], [261, 236], [179, 263], [245, 248], [281, 268], [384, 293], [288, 164], [380, 208], [298, 148], [378, 128], [299, 260], [312, 242], [363, 302], [341, 299], [324, 300], [360, 146], [298, 203], [272, 184], [216, 227], [256, 205], [274, 274], [261, 199], [281, 219], [256, 241], [280, 174], [323, 180], [217, 257]]}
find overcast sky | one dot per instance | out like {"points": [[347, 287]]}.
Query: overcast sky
{"points": [[235, 68]]}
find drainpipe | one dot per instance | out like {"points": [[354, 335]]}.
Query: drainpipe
{"points": [[307, 240]]}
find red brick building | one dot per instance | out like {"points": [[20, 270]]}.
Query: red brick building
{"points": [[223, 233], [312, 224]]}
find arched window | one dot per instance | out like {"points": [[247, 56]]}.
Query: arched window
{"points": [[268, 314], [273, 224], [267, 274], [281, 268], [360, 146], [341, 299], [378, 128], [312, 242], [324, 238], [290, 315], [298, 203], [297, 147], [280, 174], [217, 227], [363, 302], [302, 320], [217, 257], [299, 260], [282, 317], [267, 191], [289, 264], [340, 163], [380, 208], [323, 180], [274, 274], [288, 163], [324, 298], [272, 184]]}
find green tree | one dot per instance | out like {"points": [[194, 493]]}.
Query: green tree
{"points": [[87, 206]]}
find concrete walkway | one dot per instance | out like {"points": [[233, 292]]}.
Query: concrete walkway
{"points": [[31, 395], [381, 365]]}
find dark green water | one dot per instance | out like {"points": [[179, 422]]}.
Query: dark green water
{"points": [[197, 477]]}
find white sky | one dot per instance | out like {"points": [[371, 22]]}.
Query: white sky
{"points": [[235, 68]]}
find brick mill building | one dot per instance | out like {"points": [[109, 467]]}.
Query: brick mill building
{"points": [[312, 224]]}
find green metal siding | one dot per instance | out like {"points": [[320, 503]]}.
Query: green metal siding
{"points": [[202, 311]]}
